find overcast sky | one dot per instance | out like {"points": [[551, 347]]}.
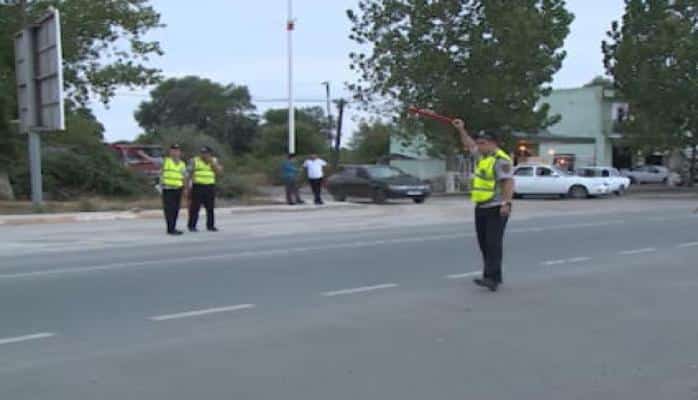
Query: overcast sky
{"points": [[244, 42]]}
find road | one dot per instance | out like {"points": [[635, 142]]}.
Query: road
{"points": [[373, 303]]}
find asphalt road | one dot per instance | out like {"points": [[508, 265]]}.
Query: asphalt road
{"points": [[594, 306]]}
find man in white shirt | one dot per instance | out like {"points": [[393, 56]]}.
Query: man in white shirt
{"points": [[314, 167]]}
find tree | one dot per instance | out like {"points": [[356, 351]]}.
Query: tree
{"points": [[94, 34], [600, 81], [372, 141], [223, 112], [273, 138], [104, 47], [653, 58], [488, 61]]}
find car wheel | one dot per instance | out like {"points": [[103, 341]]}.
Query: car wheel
{"points": [[341, 197], [379, 196], [633, 181], [419, 200], [620, 191], [578, 192], [665, 181]]}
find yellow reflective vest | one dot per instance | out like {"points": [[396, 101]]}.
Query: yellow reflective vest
{"points": [[172, 175], [203, 173], [484, 184]]}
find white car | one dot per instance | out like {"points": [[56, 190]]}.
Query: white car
{"points": [[617, 183], [549, 180], [647, 174]]}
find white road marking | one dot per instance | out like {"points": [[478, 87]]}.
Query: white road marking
{"points": [[579, 259], [26, 338], [567, 260], [637, 251], [360, 290], [462, 276], [198, 313], [555, 262], [690, 244]]}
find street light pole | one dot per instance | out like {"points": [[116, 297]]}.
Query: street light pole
{"points": [[329, 111], [290, 25]]}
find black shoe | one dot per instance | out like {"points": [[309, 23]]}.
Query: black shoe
{"points": [[486, 283], [300, 202], [212, 229], [191, 229], [175, 233]]}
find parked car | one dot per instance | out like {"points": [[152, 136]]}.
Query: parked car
{"points": [[549, 180], [131, 157], [377, 182], [617, 183], [647, 174]]}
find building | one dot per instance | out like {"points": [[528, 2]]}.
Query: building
{"points": [[585, 134]]}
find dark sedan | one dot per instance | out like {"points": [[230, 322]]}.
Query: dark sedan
{"points": [[377, 182]]}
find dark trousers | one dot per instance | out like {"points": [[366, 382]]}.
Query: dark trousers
{"points": [[202, 195], [316, 185], [292, 194], [490, 226], [171, 201]]}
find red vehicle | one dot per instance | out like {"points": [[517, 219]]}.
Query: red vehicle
{"points": [[132, 157]]}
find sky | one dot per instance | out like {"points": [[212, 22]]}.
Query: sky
{"points": [[244, 42]]}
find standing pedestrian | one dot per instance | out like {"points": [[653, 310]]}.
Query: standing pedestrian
{"points": [[492, 191], [172, 180], [203, 170], [315, 169], [289, 175]]}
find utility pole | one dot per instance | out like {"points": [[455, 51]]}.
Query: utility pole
{"points": [[23, 12], [329, 112], [338, 138], [290, 26]]}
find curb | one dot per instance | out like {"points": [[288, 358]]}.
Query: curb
{"points": [[13, 220]]}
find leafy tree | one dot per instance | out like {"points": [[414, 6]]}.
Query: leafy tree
{"points": [[371, 141], [273, 138], [94, 34], [600, 81], [653, 58], [223, 112], [104, 47], [488, 61]]}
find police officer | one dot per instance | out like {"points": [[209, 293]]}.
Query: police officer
{"points": [[203, 171], [492, 191], [172, 180]]}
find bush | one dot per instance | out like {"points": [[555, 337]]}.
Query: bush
{"points": [[68, 173], [236, 186]]}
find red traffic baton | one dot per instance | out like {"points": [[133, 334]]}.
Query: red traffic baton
{"points": [[430, 114]]}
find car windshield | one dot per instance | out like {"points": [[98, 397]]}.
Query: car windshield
{"points": [[383, 172]]}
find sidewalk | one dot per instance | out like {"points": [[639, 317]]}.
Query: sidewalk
{"points": [[58, 218]]}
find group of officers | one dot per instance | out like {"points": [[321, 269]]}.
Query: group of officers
{"points": [[197, 181], [492, 191]]}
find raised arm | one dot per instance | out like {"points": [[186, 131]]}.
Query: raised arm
{"points": [[468, 142]]}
